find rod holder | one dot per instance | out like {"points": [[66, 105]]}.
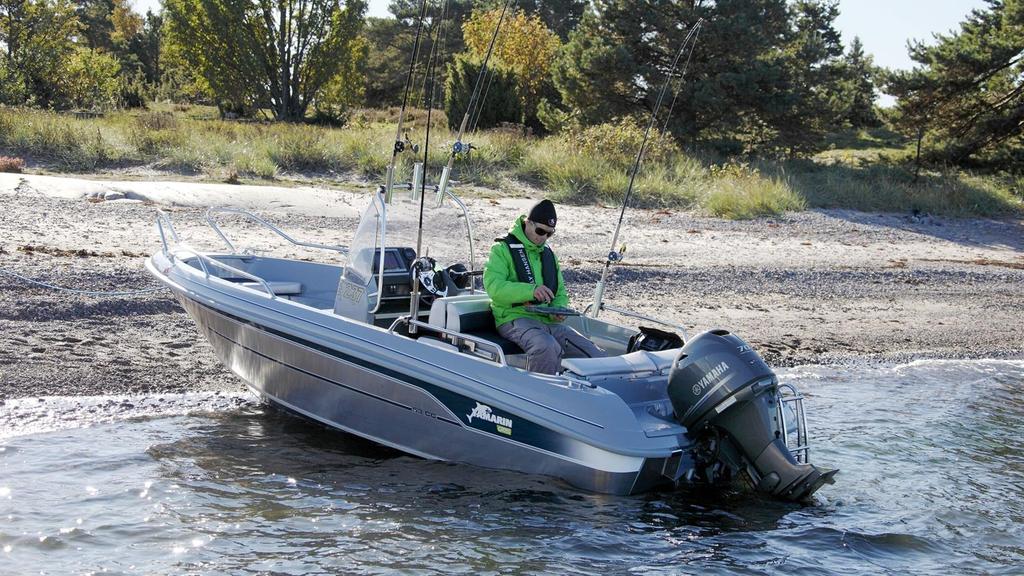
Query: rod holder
{"points": [[417, 180], [389, 183], [443, 186]]}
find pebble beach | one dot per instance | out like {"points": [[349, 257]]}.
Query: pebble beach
{"points": [[817, 287]]}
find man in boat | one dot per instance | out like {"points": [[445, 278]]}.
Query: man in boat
{"points": [[523, 270]]}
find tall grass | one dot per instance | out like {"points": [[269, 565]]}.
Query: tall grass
{"points": [[592, 165], [64, 143], [892, 188]]}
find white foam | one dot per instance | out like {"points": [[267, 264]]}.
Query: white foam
{"points": [[24, 416]]}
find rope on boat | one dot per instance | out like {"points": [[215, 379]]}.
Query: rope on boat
{"points": [[93, 293]]}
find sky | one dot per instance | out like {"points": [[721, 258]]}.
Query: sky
{"points": [[884, 26]]}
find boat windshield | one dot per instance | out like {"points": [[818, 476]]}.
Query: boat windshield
{"points": [[446, 239], [365, 243]]}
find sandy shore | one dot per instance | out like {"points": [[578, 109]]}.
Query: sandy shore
{"points": [[815, 287]]}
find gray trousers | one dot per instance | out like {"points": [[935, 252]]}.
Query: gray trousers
{"points": [[546, 344]]}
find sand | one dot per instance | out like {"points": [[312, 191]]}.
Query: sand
{"points": [[814, 287]]}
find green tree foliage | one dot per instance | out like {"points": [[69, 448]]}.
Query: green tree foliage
{"points": [[524, 46], [91, 80], [967, 95], [113, 27], [147, 46], [97, 26], [276, 54], [35, 46], [341, 94], [561, 16], [856, 104], [390, 42], [386, 64], [761, 75], [501, 104], [179, 80]]}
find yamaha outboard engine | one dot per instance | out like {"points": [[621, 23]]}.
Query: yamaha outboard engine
{"points": [[729, 401]]}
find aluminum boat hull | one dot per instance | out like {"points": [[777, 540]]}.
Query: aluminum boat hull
{"points": [[434, 404]]}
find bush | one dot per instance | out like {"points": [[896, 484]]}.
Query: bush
{"points": [[12, 86], [91, 80], [9, 164], [299, 149], [132, 93], [739, 192], [157, 121], [620, 141]]}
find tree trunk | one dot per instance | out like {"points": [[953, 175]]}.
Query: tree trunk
{"points": [[284, 113], [917, 161]]}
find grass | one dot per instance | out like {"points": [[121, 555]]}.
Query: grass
{"points": [[861, 170]]}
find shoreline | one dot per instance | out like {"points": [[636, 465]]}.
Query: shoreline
{"points": [[817, 287]]}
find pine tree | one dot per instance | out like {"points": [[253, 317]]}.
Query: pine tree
{"points": [[390, 44], [561, 16], [759, 76], [966, 97], [858, 88]]}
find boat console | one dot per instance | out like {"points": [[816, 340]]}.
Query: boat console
{"points": [[396, 286]]}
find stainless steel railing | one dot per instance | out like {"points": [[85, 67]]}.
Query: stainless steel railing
{"points": [[631, 314], [212, 221], [499, 354], [801, 447]]}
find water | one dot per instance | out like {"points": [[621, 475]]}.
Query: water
{"points": [[932, 482]]}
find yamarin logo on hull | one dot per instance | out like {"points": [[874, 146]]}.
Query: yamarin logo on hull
{"points": [[483, 412], [712, 376]]}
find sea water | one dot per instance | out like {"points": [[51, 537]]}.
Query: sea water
{"points": [[931, 482]]}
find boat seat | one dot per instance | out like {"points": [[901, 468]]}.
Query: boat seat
{"points": [[470, 314], [640, 362], [279, 288]]}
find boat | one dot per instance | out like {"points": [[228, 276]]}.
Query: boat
{"points": [[398, 345], [337, 344]]}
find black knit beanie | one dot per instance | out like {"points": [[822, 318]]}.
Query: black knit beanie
{"points": [[543, 212]]}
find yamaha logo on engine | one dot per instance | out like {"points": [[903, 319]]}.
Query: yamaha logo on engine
{"points": [[713, 376]]}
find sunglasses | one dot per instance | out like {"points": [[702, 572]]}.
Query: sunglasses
{"points": [[541, 231]]}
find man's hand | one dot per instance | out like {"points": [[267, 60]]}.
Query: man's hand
{"points": [[557, 317], [543, 294]]}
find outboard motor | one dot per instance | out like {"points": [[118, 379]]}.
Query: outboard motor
{"points": [[729, 401]]}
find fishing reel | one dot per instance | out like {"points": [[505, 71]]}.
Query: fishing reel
{"points": [[406, 144], [431, 280], [459, 148], [617, 256]]}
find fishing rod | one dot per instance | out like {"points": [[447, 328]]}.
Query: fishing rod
{"points": [[441, 44], [414, 304], [432, 71], [399, 143], [617, 255], [458, 147], [480, 109]]}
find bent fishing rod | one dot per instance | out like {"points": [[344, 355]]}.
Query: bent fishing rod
{"points": [[617, 255]]}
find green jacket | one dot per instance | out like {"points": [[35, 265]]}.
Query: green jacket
{"points": [[503, 286]]}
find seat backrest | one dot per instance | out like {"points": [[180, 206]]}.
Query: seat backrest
{"points": [[466, 313]]}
